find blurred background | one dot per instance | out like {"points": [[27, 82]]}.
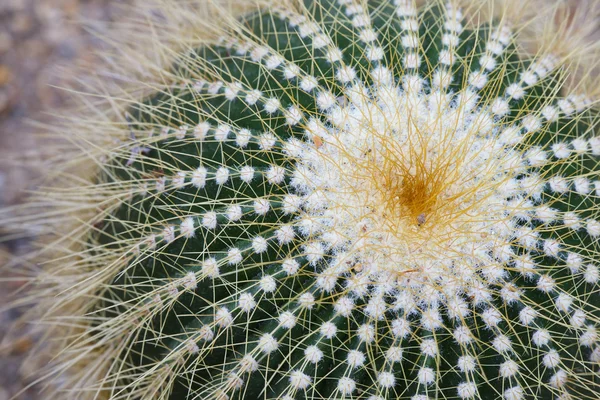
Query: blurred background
{"points": [[40, 40]]}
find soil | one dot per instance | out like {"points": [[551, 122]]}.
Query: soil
{"points": [[40, 40]]}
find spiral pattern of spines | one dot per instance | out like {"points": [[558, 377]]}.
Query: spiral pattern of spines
{"points": [[345, 199]]}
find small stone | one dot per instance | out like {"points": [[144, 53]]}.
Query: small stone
{"points": [[21, 23], [22, 345], [4, 100], [5, 42], [5, 75]]}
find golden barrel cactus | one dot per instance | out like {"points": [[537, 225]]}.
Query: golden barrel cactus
{"points": [[333, 199]]}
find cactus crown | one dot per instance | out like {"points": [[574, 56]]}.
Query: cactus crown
{"points": [[345, 199]]}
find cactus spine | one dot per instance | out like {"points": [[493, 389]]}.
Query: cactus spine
{"points": [[342, 199]]}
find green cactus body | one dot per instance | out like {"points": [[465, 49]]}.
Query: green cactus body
{"points": [[355, 200]]}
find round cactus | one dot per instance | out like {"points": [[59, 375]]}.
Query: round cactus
{"points": [[342, 199]]}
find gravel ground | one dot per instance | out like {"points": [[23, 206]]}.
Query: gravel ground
{"points": [[39, 39]]}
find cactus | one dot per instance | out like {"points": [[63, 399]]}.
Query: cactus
{"points": [[341, 199]]}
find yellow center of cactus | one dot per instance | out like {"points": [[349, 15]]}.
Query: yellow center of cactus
{"points": [[413, 191]]}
